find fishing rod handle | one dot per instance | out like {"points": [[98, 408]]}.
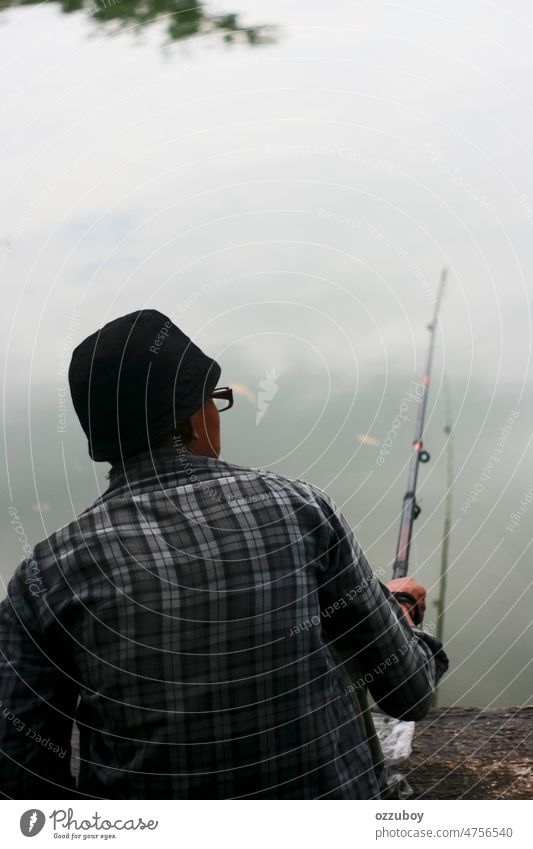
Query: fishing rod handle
{"points": [[400, 569]]}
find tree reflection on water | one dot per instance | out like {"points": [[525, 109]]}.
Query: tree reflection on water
{"points": [[182, 18]]}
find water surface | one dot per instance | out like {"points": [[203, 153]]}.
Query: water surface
{"points": [[290, 203]]}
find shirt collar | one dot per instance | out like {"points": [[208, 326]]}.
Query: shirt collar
{"points": [[149, 464]]}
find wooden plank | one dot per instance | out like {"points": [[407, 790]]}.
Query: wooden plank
{"points": [[469, 753]]}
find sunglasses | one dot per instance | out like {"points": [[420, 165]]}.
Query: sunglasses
{"points": [[223, 398]]}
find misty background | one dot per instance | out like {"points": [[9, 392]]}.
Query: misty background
{"points": [[289, 198]]}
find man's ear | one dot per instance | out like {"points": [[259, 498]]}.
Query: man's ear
{"points": [[189, 430]]}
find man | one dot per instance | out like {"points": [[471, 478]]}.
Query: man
{"points": [[191, 620]]}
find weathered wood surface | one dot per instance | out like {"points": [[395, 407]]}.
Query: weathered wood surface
{"points": [[469, 753]]}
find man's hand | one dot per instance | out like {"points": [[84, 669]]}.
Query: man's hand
{"points": [[409, 585]]}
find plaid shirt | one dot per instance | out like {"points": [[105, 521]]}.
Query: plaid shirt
{"points": [[191, 622]]}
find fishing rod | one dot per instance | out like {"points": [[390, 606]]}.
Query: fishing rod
{"points": [[441, 601], [390, 784], [410, 508]]}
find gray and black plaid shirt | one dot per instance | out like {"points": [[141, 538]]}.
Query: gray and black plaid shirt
{"points": [[190, 621]]}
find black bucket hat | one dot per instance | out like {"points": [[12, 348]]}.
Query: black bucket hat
{"points": [[135, 378]]}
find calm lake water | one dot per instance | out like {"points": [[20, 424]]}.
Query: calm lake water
{"points": [[289, 197]]}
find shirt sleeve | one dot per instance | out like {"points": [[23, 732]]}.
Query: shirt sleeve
{"points": [[369, 631], [37, 700]]}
